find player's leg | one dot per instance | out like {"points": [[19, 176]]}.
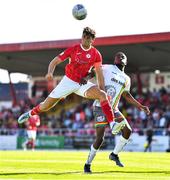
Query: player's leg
{"points": [[30, 143], [100, 123], [92, 91], [146, 146], [42, 107], [63, 89], [99, 137], [24, 144], [149, 146], [34, 133], [95, 93], [119, 146], [94, 148], [124, 138]]}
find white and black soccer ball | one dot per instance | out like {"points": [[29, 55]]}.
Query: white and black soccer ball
{"points": [[79, 12]]}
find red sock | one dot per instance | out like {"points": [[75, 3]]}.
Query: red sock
{"points": [[36, 110], [32, 145], [107, 110]]}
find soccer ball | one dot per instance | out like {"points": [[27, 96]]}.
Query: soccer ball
{"points": [[79, 12]]}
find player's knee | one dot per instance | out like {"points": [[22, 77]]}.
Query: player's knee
{"points": [[45, 106], [102, 96], [126, 132], [100, 139]]}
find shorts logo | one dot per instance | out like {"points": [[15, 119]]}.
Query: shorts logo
{"points": [[100, 119]]}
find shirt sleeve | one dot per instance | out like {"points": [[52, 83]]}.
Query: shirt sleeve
{"points": [[99, 59], [65, 54]]}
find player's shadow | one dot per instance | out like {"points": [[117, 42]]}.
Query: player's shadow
{"points": [[135, 172], [80, 172], [45, 173]]}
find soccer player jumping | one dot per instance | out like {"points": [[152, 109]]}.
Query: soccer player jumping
{"points": [[82, 58], [117, 84]]}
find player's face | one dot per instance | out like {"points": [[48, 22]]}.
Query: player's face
{"points": [[87, 40]]}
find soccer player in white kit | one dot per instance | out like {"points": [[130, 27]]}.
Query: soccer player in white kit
{"points": [[117, 84]]}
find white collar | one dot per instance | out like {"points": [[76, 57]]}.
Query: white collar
{"points": [[85, 49], [119, 69]]}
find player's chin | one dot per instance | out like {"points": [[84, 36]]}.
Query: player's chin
{"points": [[88, 42]]}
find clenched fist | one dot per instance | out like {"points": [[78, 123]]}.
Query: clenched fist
{"points": [[145, 109], [49, 76]]}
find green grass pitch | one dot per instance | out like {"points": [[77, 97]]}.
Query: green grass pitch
{"points": [[65, 165]]}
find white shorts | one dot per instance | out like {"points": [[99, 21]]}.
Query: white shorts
{"points": [[82, 90], [31, 134], [67, 87]]}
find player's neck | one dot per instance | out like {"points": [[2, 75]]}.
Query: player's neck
{"points": [[119, 66], [85, 47]]}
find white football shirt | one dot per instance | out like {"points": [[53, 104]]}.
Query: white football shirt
{"points": [[116, 82]]}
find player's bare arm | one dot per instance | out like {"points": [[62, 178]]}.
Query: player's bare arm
{"points": [[51, 68], [100, 77], [127, 95]]}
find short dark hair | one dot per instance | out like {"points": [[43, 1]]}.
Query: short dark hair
{"points": [[89, 31]]}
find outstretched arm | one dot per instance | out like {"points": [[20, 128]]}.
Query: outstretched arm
{"points": [[51, 68], [133, 101]]}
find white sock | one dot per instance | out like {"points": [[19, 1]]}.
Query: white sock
{"points": [[24, 144], [120, 145], [30, 113], [91, 155]]}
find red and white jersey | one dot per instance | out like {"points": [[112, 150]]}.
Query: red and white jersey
{"points": [[116, 82], [80, 61], [33, 122]]}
